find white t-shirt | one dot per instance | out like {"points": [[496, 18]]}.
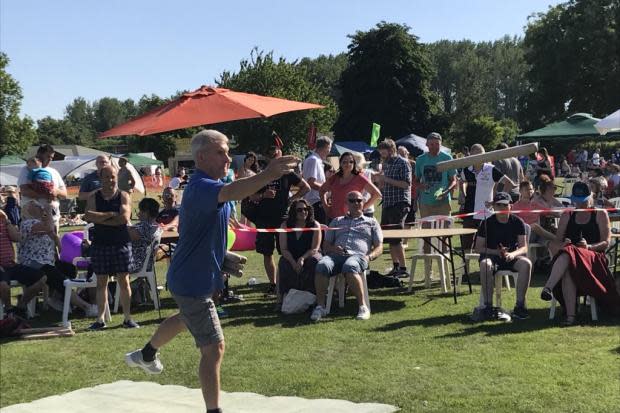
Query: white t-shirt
{"points": [[58, 184], [313, 168], [175, 182], [596, 159]]}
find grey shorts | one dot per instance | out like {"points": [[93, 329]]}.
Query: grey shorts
{"points": [[200, 317], [332, 265]]}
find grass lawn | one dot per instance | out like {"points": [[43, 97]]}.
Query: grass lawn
{"points": [[418, 351]]}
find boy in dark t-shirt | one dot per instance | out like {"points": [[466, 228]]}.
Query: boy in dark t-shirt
{"points": [[501, 243], [273, 201]]}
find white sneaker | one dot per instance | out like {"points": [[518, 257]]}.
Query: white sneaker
{"points": [[364, 313], [318, 313], [92, 311], [134, 359]]}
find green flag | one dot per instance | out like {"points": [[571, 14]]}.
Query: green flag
{"points": [[374, 136]]}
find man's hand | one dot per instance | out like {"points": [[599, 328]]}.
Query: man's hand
{"points": [[582, 243], [281, 166], [339, 250]]}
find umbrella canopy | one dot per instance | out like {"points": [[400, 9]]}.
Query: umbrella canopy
{"points": [[139, 161], [338, 150], [608, 124], [416, 145], [205, 106], [579, 125], [11, 160]]}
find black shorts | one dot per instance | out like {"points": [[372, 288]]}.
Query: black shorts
{"points": [[22, 274], [499, 263], [266, 242], [394, 218]]}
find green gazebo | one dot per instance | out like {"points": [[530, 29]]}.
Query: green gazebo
{"points": [[579, 125]]}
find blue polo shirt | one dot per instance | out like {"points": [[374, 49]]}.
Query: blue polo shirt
{"points": [[195, 270], [90, 182]]}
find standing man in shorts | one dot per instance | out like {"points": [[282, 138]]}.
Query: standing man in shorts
{"points": [[195, 275], [395, 184], [433, 187]]}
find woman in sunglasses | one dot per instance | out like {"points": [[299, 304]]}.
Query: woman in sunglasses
{"points": [[347, 179], [299, 249]]}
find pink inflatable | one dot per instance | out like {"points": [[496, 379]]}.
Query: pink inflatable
{"points": [[71, 246], [244, 241]]}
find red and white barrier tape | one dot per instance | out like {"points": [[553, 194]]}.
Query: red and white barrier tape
{"points": [[486, 213]]}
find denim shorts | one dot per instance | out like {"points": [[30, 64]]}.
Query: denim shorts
{"points": [[332, 265], [200, 317]]}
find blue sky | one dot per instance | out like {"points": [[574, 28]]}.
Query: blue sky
{"points": [[63, 49]]}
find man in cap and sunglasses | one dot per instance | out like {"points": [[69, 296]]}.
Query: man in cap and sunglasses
{"points": [[355, 241], [502, 245]]}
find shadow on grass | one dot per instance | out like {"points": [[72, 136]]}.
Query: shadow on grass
{"points": [[538, 321], [262, 314]]}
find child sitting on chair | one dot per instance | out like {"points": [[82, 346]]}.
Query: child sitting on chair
{"points": [[143, 233], [39, 179]]}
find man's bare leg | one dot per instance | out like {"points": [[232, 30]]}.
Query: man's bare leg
{"points": [[209, 373]]}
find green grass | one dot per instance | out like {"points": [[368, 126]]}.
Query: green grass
{"points": [[418, 351]]}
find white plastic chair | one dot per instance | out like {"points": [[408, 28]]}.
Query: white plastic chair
{"points": [[144, 273], [436, 222], [81, 281], [589, 300], [341, 291]]}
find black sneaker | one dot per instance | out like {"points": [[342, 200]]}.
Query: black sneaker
{"points": [[482, 314], [520, 313], [546, 294], [97, 325], [271, 291], [130, 324], [398, 273]]}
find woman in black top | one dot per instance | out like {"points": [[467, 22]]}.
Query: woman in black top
{"points": [[543, 166], [580, 266], [110, 210], [300, 250]]}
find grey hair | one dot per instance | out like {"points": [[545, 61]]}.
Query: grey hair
{"points": [[205, 137], [323, 142]]}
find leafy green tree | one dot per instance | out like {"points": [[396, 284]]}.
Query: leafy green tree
{"points": [[16, 133], [108, 112], [59, 132], [483, 130], [325, 71], [264, 75], [387, 81], [572, 51]]}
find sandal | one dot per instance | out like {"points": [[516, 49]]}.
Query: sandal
{"points": [[546, 294]]}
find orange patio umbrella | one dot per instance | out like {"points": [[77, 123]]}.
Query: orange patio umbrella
{"points": [[205, 106]]}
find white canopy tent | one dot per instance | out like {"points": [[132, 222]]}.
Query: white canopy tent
{"points": [[608, 124], [76, 168]]}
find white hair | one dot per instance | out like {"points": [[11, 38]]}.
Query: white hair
{"points": [[204, 138]]}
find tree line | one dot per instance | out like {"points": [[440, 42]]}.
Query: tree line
{"points": [[484, 92]]}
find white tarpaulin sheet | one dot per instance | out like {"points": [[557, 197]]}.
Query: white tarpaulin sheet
{"points": [[77, 168]]}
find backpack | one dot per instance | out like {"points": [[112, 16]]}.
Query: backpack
{"points": [[376, 280]]}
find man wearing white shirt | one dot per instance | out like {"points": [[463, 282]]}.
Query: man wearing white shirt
{"points": [[45, 154], [314, 174]]}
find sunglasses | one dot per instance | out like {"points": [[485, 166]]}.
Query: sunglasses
{"points": [[302, 209], [355, 201]]}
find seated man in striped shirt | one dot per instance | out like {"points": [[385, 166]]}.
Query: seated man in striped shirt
{"points": [[348, 249]]}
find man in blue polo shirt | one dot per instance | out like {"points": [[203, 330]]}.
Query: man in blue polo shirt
{"points": [[195, 271]]}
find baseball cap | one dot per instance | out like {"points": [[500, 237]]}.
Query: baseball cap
{"points": [[581, 192], [434, 135], [502, 198]]}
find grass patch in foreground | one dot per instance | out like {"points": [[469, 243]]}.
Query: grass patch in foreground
{"points": [[418, 352]]}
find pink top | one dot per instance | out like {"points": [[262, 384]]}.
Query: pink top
{"points": [[528, 218], [7, 254], [339, 193]]}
